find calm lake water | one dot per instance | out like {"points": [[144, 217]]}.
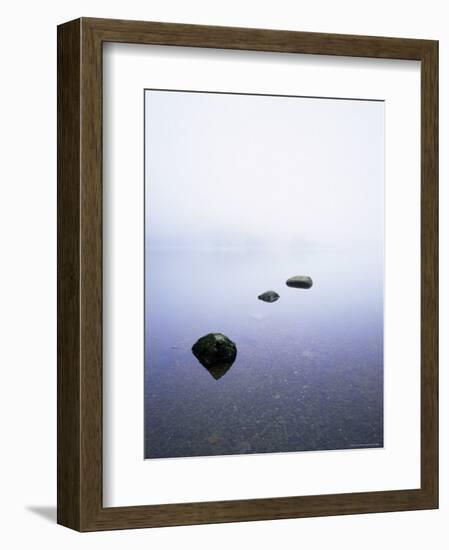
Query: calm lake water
{"points": [[309, 368]]}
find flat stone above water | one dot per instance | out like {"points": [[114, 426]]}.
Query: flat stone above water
{"points": [[269, 296], [299, 281]]}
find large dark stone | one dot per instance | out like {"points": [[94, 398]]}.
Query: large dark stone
{"points": [[269, 296], [216, 352], [299, 281]]}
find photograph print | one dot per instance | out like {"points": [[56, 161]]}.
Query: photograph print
{"points": [[264, 274]]}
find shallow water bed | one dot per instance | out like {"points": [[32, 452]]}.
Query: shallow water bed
{"points": [[309, 368]]}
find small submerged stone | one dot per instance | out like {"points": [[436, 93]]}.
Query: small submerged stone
{"points": [[269, 296], [216, 352], [299, 281], [244, 447], [214, 438]]}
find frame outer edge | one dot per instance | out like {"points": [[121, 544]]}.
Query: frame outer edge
{"points": [[429, 274], [91, 284], [80, 276], [68, 262]]}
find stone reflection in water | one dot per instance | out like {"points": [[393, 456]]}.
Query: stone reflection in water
{"points": [[216, 352], [217, 371]]}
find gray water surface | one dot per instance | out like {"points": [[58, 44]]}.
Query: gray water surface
{"points": [[309, 368]]}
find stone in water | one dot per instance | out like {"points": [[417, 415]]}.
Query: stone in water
{"points": [[299, 281], [216, 352], [269, 296]]}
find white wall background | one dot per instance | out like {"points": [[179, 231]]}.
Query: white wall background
{"points": [[28, 272]]}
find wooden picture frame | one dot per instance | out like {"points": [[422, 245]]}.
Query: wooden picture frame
{"points": [[80, 503]]}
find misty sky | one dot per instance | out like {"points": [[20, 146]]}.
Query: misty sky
{"points": [[253, 171]]}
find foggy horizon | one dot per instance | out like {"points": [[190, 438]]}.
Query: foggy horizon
{"points": [[248, 172]]}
